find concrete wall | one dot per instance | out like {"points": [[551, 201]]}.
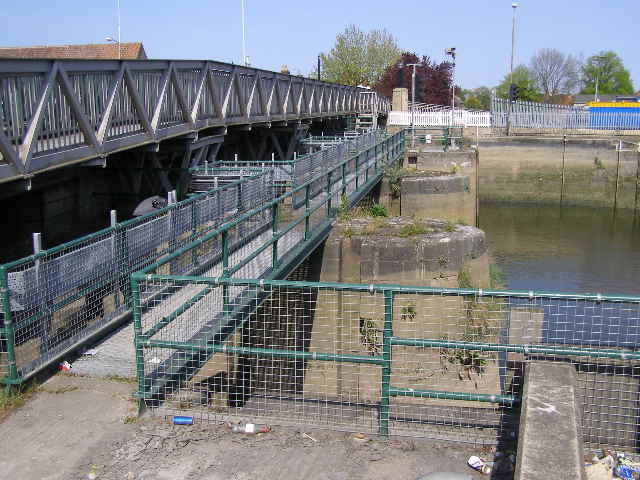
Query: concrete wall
{"points": [[367, 251], [553, 171], [61, 209], [445, 197]]}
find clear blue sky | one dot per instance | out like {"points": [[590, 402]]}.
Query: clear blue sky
{"points": [[293, 32]]}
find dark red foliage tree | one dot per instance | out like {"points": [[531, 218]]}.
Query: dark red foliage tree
{"points": [[433, 80]]}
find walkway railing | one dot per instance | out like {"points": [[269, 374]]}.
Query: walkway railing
{"points": [[57, 299], [61, 297], [59, 112], [441, 362]]}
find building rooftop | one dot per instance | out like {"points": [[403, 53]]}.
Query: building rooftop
{"points": [[96, 51]]}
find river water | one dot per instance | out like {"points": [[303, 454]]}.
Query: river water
{"points": [[569, 249]]}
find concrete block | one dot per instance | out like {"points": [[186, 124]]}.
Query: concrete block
{"points": [[550, 441]]}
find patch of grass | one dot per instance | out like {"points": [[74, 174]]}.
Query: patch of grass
{"points": [[370, 336], [455, 168], [377, 210], [413, 229], [15, 397], [347, 232], [598, 163], [449, 227], [129, 419], [408, 313]]}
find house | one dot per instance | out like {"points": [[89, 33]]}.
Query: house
{"points": [[94, 51]]}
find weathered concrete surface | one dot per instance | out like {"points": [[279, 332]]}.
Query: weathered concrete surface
{"points": [[550, 441], [379, 250], [531, 170], [372, 251], [440, 195], [73, 423]]}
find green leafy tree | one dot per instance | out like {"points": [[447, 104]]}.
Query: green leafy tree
{"points": [[607, 69], [526, 82], [477, 99], [359, 58]]}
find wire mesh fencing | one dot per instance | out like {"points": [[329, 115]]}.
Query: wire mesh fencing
{"points": [[440, 363], [562, 118], [61, 297], [58, 299]]}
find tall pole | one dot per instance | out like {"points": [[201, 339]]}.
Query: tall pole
{"points": [[514, 6], [244, 45], [318, 67], [413, 105], [119, 38]]}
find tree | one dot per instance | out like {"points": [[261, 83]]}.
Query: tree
{"points": [[607, 69], [477, 99], [523, 78], [555, 72], [359, 58], [433, 80]]}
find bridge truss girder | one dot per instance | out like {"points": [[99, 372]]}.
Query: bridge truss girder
{"points": [[56, 112]]}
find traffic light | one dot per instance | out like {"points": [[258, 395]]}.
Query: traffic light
{"points": [[514, 92]]}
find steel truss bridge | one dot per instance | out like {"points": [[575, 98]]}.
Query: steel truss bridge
{"points": [[57, 113]]}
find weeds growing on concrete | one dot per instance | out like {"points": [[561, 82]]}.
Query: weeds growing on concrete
{"points": [[413, 229], [15, 397]]}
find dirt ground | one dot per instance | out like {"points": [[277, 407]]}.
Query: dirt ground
{"points": [[73, 423]]}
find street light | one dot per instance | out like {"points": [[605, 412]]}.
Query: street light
{"points": [[413, 98], [245, 58], [514, 6], [452, 52], [110, 38], [596, 98]]}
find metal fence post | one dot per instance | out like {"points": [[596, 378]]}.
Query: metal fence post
{"points": [[387, 333], [306, 212], [9, 334], [274, 227], [329, 194], [137, 329]]}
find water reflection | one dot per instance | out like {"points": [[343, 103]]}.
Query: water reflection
{"points": [[570, 249]]}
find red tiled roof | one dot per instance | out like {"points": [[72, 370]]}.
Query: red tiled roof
{"points": [[100, 51]]}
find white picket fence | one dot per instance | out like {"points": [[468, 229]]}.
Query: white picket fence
{"points": [[442, 118]]}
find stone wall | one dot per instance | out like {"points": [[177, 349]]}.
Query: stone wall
{"points": [[585, 172]]}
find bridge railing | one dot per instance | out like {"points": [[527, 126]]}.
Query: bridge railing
{"points": [[246, 247], [59, 298], [56, 112], [387, 359]]}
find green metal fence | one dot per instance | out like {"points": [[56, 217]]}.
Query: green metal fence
{"points": [[388, 359], [57, 299]]}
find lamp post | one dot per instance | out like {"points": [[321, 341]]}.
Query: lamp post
{"points": [[596, 98], [413, 98], [514, 6], [110, 39], [245, 59], [452, 52]]}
